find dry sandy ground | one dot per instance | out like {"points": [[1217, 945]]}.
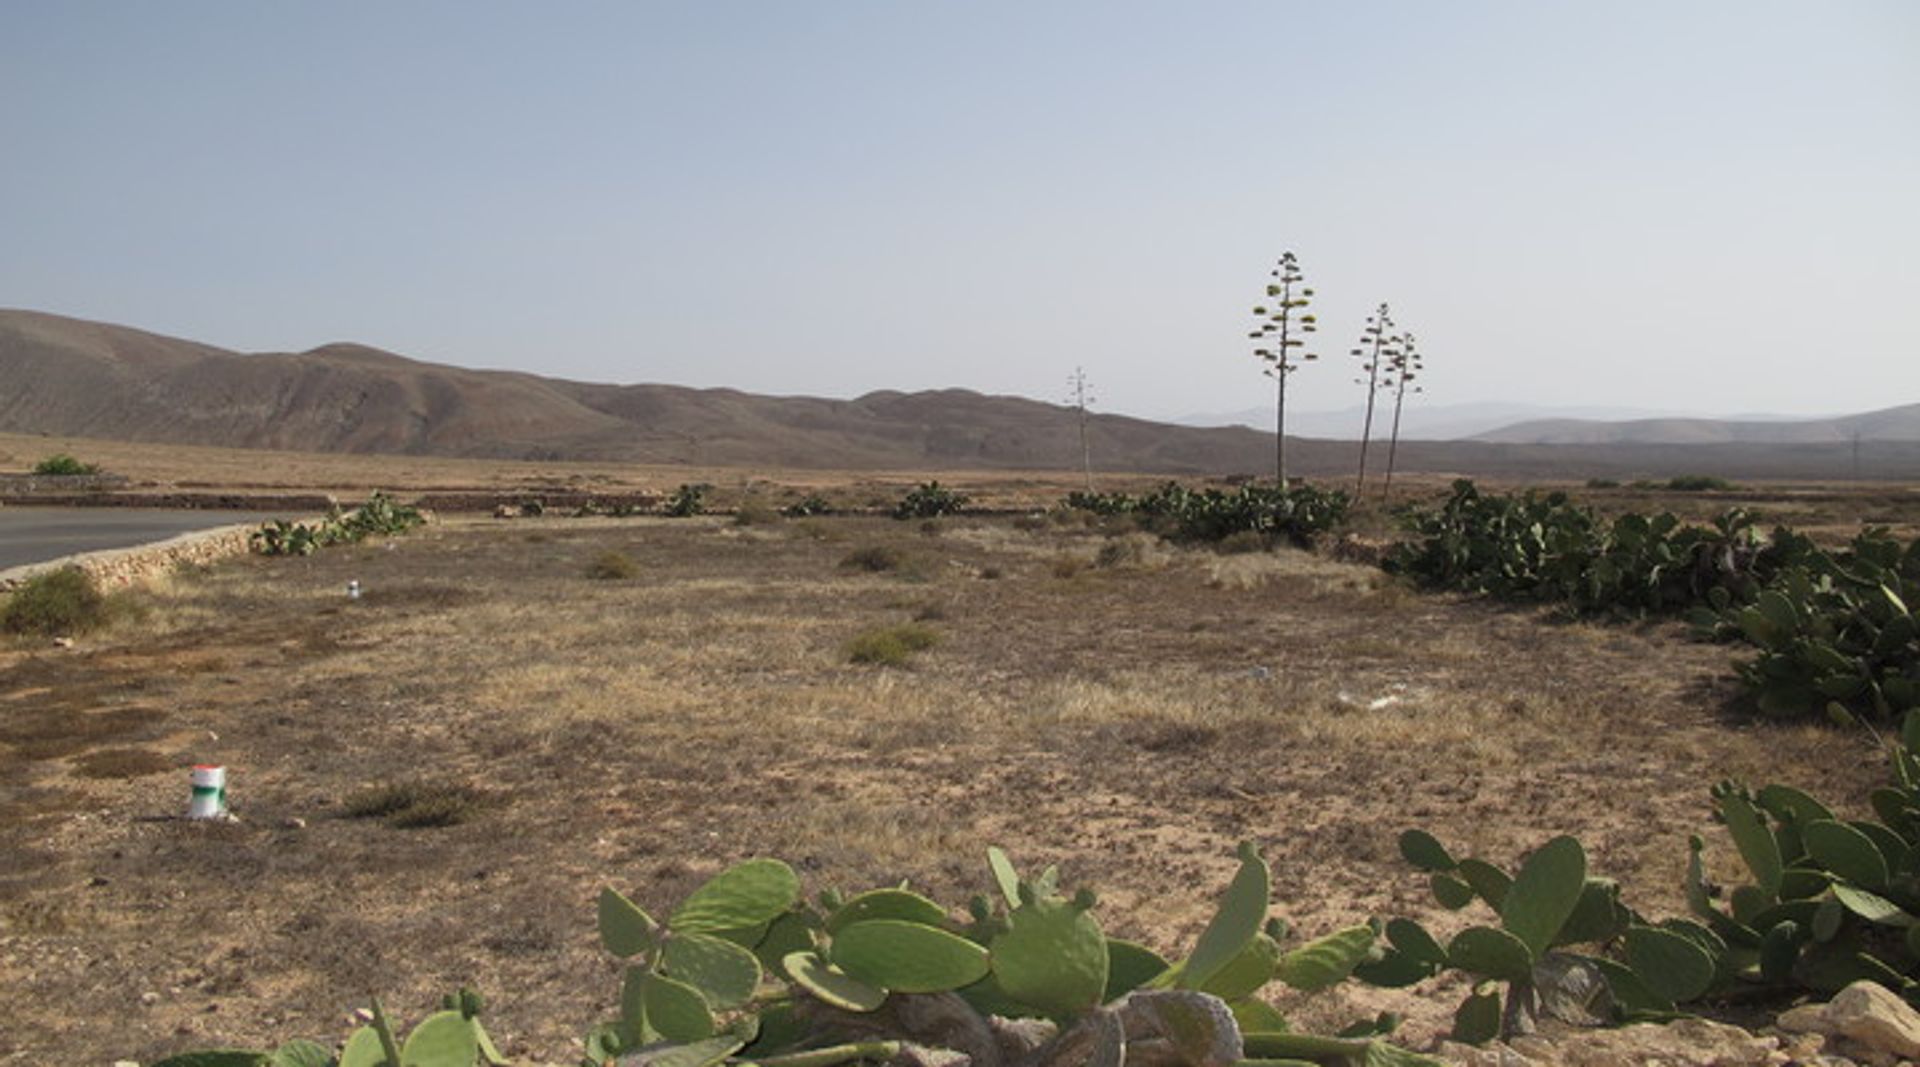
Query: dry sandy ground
{"points": [[1126, 710]]}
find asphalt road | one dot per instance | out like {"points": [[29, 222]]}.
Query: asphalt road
{"points": [[34, 535]]}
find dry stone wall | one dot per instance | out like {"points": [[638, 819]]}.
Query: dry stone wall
{"points": [[122, 568]]}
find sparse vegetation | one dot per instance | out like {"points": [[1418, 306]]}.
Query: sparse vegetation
{"points": [[1089, 704], [56, 603], [413, 805], [929, 500], [1299, 514], [688, 500], [613, 565], [754, 511], [1699, 483], [808, 506], [381, 515], [891, 646], [874, 559], [62, 465]]}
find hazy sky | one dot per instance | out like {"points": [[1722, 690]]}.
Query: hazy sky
{"points": [[1703, 206]]}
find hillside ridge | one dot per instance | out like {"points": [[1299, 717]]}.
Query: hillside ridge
{"points": [[78, 378]]}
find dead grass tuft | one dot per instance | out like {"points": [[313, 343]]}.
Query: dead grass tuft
{"points": [[122, 763], [891, 646], [613, 566], [419, 804], [874, 559]]}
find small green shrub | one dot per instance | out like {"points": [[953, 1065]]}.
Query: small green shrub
{"points": [[55, 604], [874, 559], [62, 464], [890, 646], [1602, 483], [613, 566], [688, 500], [929, 500], [808, 506], [1699, 483]]}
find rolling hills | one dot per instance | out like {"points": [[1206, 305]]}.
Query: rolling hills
{"points": [[73, 377]]}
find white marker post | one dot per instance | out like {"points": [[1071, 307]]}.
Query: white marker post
{"points": [[209, 793]]}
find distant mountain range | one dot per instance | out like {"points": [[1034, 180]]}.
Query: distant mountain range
{"points": [[73, 377], [1533, 424]]}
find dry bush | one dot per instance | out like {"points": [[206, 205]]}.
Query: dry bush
{"points": [[613, 566], [55, 603], [874, 559], [754, 511], [890, 646]]}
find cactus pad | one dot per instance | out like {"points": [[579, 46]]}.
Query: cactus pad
{"points": [[443, 1039], [675, 1009], [1130, 966], [1052, 957], [625, 929], [1325, 961], [1247, 972], [1544, 893], [724, 973], [887, 904], [909, 957], [1846, 852], [831, 985], [746, 894], [1491, 952], [1672, 965], [1243, 908], [1425, 851], [1757, 845]]}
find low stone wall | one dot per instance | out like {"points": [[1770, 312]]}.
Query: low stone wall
{"points": [[61, 483], [121, 568], [303, 502]]}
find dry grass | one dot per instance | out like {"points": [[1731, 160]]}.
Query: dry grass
{"points": [[1131, 723]]}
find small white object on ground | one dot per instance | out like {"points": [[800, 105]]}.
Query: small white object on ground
{"points": [[209, 799]]}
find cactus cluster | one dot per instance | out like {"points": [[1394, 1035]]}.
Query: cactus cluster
{"points": [[1836, 632], [450, 1037], [1546, 548], [929, 500], [1565, 945], [381, 514], [746, 971], [1832, 900], [1297, 514], [1834, 628], [687, 500]]}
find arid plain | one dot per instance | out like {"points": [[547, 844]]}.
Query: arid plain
{"points": [[1093, 697]]}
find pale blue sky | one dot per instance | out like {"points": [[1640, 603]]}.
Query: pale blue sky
{"points": [[1703, 206]]}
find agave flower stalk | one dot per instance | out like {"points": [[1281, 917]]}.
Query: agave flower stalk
{"points": [[1379, 346], [1402, 368], [1283, 326]]}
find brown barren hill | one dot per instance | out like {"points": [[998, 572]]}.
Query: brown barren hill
{"points": [[73, 378]]}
